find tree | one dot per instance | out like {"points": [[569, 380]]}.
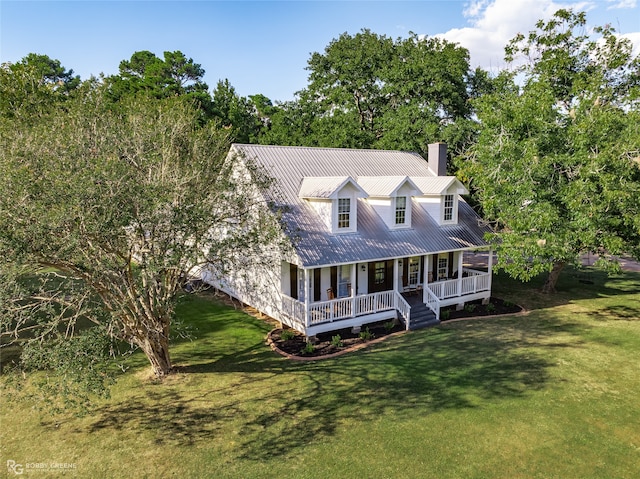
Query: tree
{"points": [[174, 74], [556, 167], [122, 205], [369, 91], [235, 113], [29, 87]]}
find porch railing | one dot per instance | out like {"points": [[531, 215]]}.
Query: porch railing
{"points": [[475, 282]]}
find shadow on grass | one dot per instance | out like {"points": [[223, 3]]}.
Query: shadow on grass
{"points": [[275, 406], [570, 287]]}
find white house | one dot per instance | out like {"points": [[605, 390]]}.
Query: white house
{"points": [[375, 235]]}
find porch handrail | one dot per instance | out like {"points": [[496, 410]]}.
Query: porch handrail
{"points": [[403, 308], [432, 301]]}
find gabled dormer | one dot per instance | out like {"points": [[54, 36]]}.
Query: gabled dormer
{"points": [[440, 197], [390, 197], [335, 199]]}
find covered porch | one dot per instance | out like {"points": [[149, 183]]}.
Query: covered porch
{"points": [[316, 300]]}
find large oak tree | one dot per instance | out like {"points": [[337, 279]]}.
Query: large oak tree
{"points": [[556, 166]]}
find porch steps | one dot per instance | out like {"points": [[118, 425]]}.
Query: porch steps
{"points": [[421, 315]]}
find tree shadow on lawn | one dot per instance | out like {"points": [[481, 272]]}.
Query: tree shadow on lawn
{"points": [[275, 406], [570, 287]]}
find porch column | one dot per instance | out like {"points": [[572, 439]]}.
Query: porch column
{"points": [[490, 266], [307, 286], [354, 272], [395, 274], [460, 262]]}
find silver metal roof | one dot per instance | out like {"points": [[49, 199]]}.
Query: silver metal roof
{"points": [[316, 246]]}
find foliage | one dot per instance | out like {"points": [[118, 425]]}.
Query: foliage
{"points": [[336, 341], [172, 75], [369, 91], [389, 325], [287, 334], [31, 86], [76, 370], [308, 348], [366, 335], [555, 167], [124, 203]]}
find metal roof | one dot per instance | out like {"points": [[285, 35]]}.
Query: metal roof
{"points": [[325, 186], [317, 246]]}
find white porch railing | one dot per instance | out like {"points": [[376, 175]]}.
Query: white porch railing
{"points": [[344, 308], [432, 301], [476, 282]]}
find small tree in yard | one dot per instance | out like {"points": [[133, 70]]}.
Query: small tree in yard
{"points": [[556, 166], [120, 202]]}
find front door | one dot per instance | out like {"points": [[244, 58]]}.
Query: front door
{"points": [[380, 276]]}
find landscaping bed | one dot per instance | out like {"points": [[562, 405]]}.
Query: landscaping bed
{"points": [[331, 342], [293, 343], [472, 309]]}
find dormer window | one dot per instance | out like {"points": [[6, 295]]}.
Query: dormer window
{"points": [[401, 210], [447, 212], [344, 213]]}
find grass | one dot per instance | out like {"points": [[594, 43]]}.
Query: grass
{"points": [[553, 394]]}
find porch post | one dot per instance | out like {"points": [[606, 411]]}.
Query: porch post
{"points": [[490, 266], [354, 272], [307, 286], [460, 262], [395, 275]]}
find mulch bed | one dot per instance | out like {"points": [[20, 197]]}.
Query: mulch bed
{"points": [[335, 342], [472, 309], [329, 343]]}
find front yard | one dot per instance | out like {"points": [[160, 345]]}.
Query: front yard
{"points": [[550, 394]]}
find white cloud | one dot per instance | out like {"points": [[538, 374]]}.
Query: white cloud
{"points": [[494, 23], [622, 4]]}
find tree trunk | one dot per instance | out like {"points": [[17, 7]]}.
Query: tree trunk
{"points": [[157, 352], [552, 279]]}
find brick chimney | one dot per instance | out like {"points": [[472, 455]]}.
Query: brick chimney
{"points": [[438, 158]]}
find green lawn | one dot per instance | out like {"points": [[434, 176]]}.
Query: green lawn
{"points": [[552, 394]]}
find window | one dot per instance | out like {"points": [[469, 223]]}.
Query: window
{"points": [[344, 212], [448, 208], [443, 268], [414, 270], [401, 210], [380, 272], [344, 281]]}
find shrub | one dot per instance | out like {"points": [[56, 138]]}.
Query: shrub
{"points": [[491, 307], [366, 335], [470, 308], [308, 348], [445, 314], [388, 326], [287, 334], [336, 341]]}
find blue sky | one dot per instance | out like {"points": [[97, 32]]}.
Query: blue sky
{"points": [[263, 46]]}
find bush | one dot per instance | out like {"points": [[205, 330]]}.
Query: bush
{"points": [[470, 308], [445, 314], [336, 341], [287, 334], [388, 326], [366, 335], [308, 348]]}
